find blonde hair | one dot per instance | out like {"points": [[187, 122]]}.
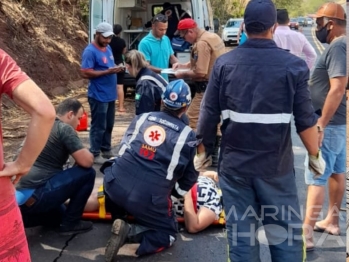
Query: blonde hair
{"points": [[136, 60]]}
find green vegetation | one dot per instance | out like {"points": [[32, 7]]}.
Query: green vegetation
{"points": [[225, 9]]}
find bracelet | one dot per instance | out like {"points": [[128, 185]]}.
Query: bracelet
{"points": [[320, 129]]}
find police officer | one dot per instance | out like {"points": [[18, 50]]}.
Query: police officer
{"points": [[256, 88], [207, 47], [155, 160]]}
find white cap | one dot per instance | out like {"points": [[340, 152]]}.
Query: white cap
{"points": [[105, 29]]}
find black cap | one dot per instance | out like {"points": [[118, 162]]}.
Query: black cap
{"points": [[260, 15]]}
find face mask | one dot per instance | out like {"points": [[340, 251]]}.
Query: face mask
{"points": [[321, 34]]}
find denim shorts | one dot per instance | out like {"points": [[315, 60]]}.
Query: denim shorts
{"points": [[334, 153]]}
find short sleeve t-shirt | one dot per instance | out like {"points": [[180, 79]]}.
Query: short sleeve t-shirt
{"points": [[10, 77], [157, 51], [117, 45], [331, 64], [13, 241], [208, 196], [62, 142], [102, 88]]}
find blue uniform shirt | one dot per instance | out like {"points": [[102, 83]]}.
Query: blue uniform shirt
{"points": [[149, 89], [256, 89], [157, 51], [102, 88]]}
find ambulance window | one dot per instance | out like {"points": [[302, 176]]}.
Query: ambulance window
{"points": [[156, 9]]}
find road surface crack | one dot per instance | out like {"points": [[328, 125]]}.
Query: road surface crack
{"points": [[65, 246]]}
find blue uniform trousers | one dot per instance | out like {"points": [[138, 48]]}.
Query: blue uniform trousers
{"points": [[272, 202]]}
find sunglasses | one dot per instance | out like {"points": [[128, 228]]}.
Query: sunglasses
{"points": [[160, 18]]}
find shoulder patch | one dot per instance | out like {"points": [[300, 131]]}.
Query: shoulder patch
{"points": [[154, 135], [137, 96]]}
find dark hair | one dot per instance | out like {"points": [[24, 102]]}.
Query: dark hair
{"points": [[256, 28], [282, 16], [70, 104], [117, 29], [160, 18]]}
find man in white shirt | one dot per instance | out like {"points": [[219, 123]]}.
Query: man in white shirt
{"points": [[291, 40]]}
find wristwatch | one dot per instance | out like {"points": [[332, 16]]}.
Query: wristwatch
{"points": [[320, 129]]}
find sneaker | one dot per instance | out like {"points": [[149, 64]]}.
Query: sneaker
{"points": [[80, 227], [109, 154], [99, 160], [119, 231]]}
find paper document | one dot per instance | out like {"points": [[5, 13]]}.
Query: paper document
{"points": [[173, 71]]}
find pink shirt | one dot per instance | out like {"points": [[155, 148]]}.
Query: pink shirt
{"points": [[13, 242], [296, 42]]}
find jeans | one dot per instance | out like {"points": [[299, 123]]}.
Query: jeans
{"points": [[74, 183], [270, 201], [102, 123]]}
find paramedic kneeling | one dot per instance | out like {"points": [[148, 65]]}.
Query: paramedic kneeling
{"points": [[155, 160]]}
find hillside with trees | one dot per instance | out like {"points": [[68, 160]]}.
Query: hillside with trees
{"points": [[46, 38]]}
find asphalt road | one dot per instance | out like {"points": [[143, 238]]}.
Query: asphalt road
{"points": [[210, 245]]}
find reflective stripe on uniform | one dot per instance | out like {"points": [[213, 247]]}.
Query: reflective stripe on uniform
{"points": [[179, 190], [177, 151], [151, 78], [138, 125], [256, 118]]}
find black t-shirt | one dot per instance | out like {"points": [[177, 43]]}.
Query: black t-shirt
{"points": [[117, 45]]}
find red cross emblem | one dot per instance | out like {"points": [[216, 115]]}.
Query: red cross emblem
{"points": [[154, 135]]}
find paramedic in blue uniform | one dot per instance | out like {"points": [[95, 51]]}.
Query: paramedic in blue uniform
{"points": [[149, 86], [155, 160], [257, 88]]}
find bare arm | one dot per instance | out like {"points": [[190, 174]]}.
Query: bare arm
{"points": [[93, 73], [33, 100], [333, 99], [173, 59], [189, 74], [155, 69], [310, 138], [83, 158], [239, 32], [195, 222], [181, 66], [210, 174]]}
